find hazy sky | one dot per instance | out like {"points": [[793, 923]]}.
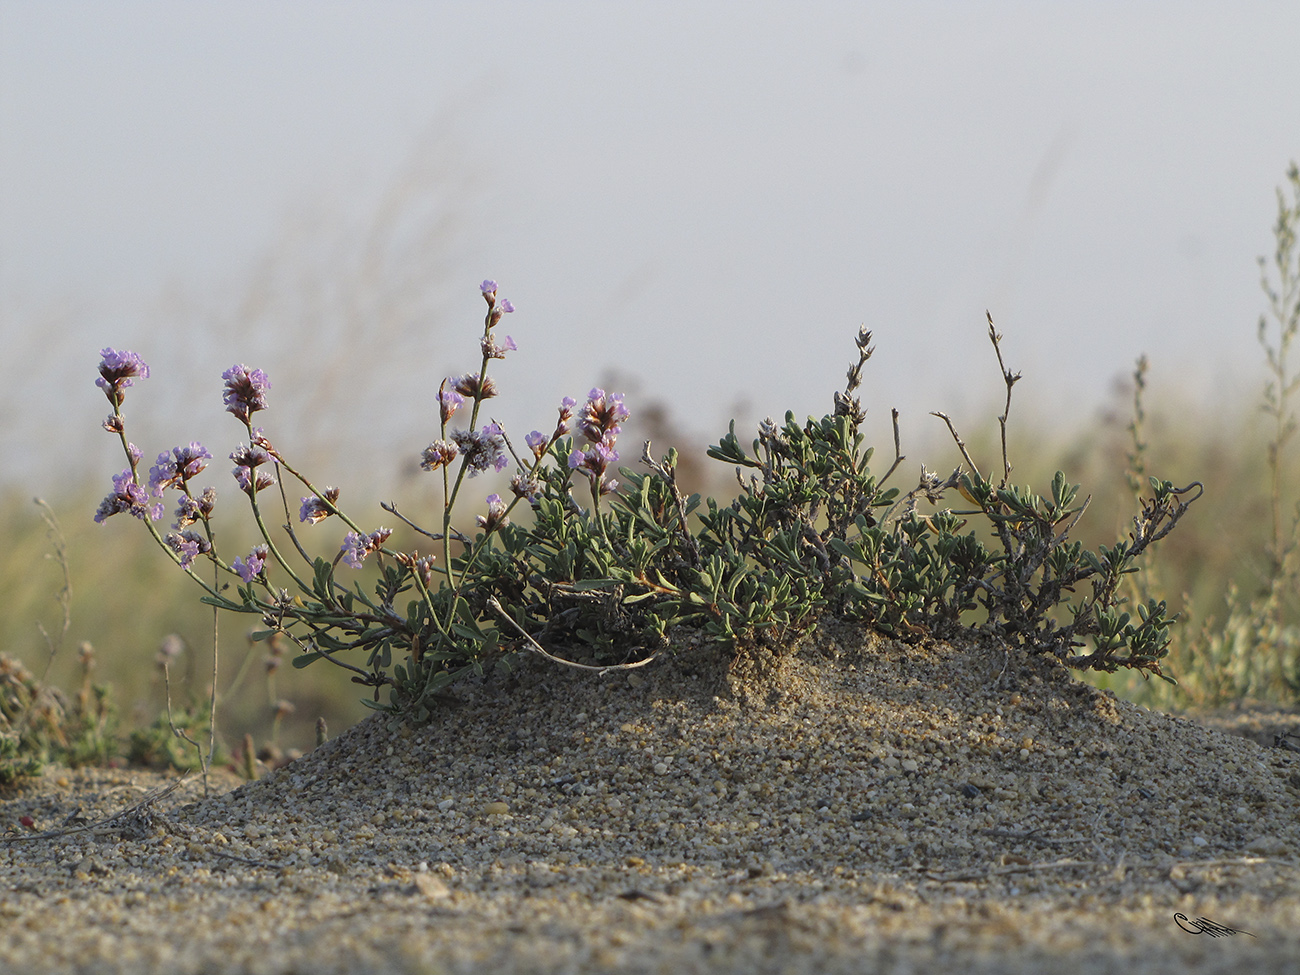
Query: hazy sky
{"points": [[711, 197]]}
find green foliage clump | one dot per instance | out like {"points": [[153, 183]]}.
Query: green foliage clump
{"points": [[40, 725]]}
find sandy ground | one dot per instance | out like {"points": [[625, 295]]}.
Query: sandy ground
{"points": [[861, 805]]}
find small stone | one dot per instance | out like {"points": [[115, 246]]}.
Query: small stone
{"points": [[431, 886], [1268, 846], [909, 764], [495, 809]]}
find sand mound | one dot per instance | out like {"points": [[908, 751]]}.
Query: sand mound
{"points": [[855, 753], [856, 805]]}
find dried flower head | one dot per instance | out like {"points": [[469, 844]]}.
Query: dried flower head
{"points": [[496, 514], [193, 509], [474, 386], [483, 449], [188, 545], [247, 459], [601, 415], [438, 454], [525, 486], [169, 649], [245, 391], [316, 509], [491, 350]]}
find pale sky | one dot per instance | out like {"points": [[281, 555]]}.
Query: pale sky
{"points": [[709, 197]]}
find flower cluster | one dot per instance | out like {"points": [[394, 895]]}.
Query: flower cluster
{"points": [[481, 450], [438, 454], [116, 370], [356, 546], [191, 510], [495, 308], [188, 545], [474, 385], [316, 509], [129, 496], [539, 442], [175, 468], [496, 514], [491, 350], [250, 568], [245, 391], [247, 459], [599, 421]]}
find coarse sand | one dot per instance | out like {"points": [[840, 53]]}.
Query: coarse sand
{"points": [[854, 805]]}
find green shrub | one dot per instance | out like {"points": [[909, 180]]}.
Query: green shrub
{"points": [[602, 575], [39, 724]]}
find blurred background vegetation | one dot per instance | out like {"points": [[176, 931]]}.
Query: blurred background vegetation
{"points": [[91, 605]]}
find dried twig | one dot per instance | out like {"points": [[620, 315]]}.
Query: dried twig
{"points": [[99, 825], [538, 648], [988, 872], [1033, 835]]}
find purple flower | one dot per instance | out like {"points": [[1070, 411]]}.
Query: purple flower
{"points": [[356, 547], [483, 449], [175, 469], [116, 370], [488, 287], [316, 509], [601, 415], [245, 391], [247, 459], [493, 351], [129, 496], [251, 483], [133, 452], [246, 455], [537, 443], [496, 514], [188, 545], [496, 309], [251, 569], [566, 416], [438, 454], [449, 401], [595, 460]]}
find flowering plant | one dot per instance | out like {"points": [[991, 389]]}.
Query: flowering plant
{"points": [[812, 531], [448, 625]]}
